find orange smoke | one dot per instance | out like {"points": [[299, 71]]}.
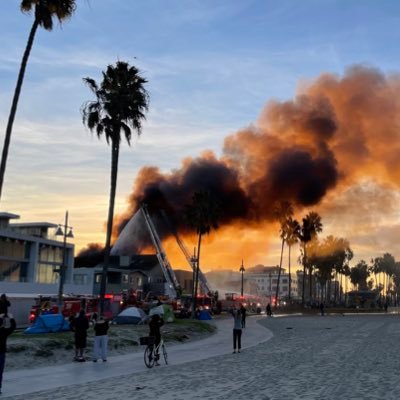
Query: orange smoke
{"points": [[336, 134]]}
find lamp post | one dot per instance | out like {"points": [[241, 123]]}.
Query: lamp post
{"points": [[62, 231], [242, 272]]}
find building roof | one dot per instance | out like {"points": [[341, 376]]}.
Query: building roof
{"points": [[143, 262], [6, 215], [137, 262], [34, 225]]}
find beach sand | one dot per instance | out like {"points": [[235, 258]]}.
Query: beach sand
{"points": [[313, 357]]}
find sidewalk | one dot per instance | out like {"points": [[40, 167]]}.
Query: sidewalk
{"points": [[53, 377]]}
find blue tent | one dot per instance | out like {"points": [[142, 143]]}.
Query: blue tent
{"points": [[204, 315], [48, 323]]}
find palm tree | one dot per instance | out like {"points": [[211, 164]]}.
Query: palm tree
{"points": [[359, 275], [45, 11], [309, 229], [202, 215], [282, 212], [292, 237], [119, 109]]}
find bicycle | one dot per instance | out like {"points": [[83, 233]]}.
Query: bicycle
{"points": [[152, 352]]}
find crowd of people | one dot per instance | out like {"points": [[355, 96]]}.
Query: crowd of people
{"points": [[81, 324]]}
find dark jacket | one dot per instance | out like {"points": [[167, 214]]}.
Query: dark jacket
{"points": [[80, 325], [155, 324], [4, 304], [101, 328], [4, 333]]}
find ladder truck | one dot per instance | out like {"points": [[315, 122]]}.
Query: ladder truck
{"points": [[202, 279], [173, 287]]}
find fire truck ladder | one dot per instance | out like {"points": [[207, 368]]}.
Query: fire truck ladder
{"points": [[173, 284], [202, 278], [181, 244]]}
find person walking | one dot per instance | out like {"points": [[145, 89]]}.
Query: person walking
{"points": [[4, 333], [243, 314], [237, 330], [101, 339], [80, 325]]}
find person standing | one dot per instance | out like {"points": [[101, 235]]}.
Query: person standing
{"points": [[101, 339], [4, 304], [237, 330], [243, 314], [80, 325], [4, 333], [321, 308], [269, 310]]}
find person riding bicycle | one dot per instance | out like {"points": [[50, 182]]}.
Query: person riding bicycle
{"points": [[156, 322]]}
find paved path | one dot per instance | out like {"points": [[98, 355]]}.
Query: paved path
{"points": [[307, 358], [70, 374]]}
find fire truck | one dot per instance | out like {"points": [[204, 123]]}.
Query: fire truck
{"points": [[234, 300], [72, 304]]}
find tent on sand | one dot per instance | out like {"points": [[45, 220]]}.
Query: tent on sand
{"points": [[47, 323], [131, 315], [165, 311]]}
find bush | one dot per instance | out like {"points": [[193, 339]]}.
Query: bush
{"points": [[16, 348], [43, 353]]}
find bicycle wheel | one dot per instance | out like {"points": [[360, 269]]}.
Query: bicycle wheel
{"points": [[148, 357], [164, 350]]}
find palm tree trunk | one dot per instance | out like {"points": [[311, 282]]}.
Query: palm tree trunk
{"points": [[290, 277], [196, 280], [341, 288], [14, 104], [279, 275], [304, 275], [113, 189]]}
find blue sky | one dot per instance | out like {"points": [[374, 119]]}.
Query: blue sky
{"points": [[211, 67]]}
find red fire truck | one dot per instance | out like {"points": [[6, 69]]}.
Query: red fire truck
{"points": [[48, 304]]}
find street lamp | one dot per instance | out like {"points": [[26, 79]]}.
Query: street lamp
{"points": [[62, 231], [242, 272]]}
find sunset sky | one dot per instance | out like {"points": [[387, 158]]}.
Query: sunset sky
{"points": [[223, 77]]}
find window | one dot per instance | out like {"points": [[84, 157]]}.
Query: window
{"points": [[12, 248], [80, 279], [46, 273], [51, 254], [125, 278], [98, 278], [13, 271]]}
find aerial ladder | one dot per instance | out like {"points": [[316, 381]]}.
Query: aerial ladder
{"points": [[191, 260], [173, 287]]}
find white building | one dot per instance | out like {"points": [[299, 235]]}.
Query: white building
{"points": [[263, 281], [30, 257]]}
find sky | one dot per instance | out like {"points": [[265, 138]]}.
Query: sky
{"points": [[213, 68]]}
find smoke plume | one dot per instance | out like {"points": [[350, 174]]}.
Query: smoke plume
{"points": [[337, 131]]}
